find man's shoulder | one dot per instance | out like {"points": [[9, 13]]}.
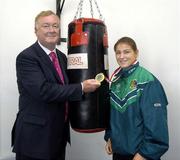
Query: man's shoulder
{"points": [[30, 51], [28, 48]]}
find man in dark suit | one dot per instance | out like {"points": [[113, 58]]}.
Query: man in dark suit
{"points": [[41, 129]]}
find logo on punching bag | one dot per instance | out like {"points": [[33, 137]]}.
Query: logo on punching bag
{"points": [[77, 61]]}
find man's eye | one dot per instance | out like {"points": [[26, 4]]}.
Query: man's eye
{"points": [[55, 26], [45, 26]]}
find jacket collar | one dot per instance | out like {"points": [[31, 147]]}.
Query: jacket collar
{"points": [[125, 72]]}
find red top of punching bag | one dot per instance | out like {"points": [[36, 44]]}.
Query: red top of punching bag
{"points": [[81, 38]]}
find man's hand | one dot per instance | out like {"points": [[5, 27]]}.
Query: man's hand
{"points": [[108, 147], [90, 85]]}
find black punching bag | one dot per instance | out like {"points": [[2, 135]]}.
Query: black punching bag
{"points": [[88, 56]]}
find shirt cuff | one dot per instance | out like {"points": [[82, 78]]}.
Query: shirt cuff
{"points": [[82, 87]]}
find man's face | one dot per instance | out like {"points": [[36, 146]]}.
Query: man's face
{"points": [[47, 31]]}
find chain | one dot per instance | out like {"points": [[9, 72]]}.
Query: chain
{"points": [[80, 6], [100, 15], [90, 1], [79, 9]]}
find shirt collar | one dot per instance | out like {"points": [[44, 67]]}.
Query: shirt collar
{"points": [[46, 49]]}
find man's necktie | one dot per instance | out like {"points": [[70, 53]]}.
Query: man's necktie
{"points": [[55, 61], [56, 65]]}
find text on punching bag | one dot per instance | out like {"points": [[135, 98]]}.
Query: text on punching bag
{"points": [[77, 61]]}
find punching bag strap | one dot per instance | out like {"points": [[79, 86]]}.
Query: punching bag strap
{"points": [[105, 39], [79, 37]]}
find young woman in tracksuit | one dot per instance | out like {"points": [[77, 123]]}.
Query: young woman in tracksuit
{"points": [[138, 121]]}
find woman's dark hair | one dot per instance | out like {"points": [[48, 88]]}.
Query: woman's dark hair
{"points": [[128, 41]]}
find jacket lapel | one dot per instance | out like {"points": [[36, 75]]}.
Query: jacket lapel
{"points": [[46, 60]]}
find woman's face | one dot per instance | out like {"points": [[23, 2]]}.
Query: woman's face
{"points": [[125, 55]]}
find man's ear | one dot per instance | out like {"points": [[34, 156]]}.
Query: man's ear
{"points": [[35, 30]]}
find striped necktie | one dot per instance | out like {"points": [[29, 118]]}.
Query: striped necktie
{"points": [[55, 61]]}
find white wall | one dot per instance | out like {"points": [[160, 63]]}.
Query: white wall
{"points": [[153, 24]]}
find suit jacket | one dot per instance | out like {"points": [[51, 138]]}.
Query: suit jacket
{"points": [[40, 130]]}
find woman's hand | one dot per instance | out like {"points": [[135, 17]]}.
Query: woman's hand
{"points": [[138, 157], [108, 147]]}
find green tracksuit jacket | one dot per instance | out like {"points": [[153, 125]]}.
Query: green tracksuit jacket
{"points": [[138, 120]]}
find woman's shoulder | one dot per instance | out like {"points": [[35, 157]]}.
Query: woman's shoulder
{"points": [[143, 74]]}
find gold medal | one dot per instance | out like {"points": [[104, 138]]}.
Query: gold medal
{"points": [[100, 77]]}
